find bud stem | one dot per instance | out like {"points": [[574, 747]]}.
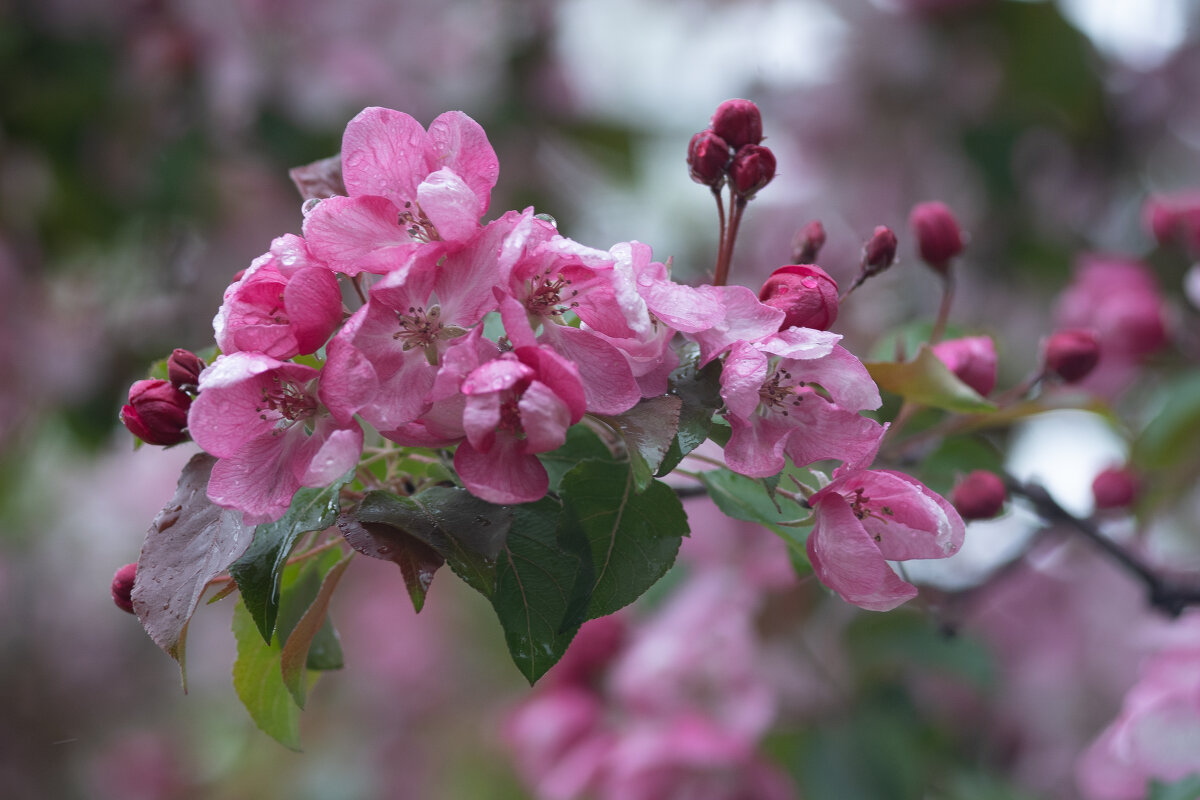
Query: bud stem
{"points": [[939, 325], [737, 205]]}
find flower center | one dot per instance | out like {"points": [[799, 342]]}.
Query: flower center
{"points": [[776, 394], [510, 416], [418, 226], [418, 327], [286, 403], [550, 297]]}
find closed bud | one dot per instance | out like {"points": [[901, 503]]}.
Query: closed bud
{"points": [[1072, 354], [980, 495], [753, 168], [122, 587], [1115, 487], [738, 122], [808, 243], [806, 295], [157, 412], [1174, 219], [879, 252], [708, 156], [972, 360], [939, 238], [184, 368]]}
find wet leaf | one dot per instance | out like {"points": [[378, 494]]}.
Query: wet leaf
{"points": [[648, 429], [258, 681], [295, 658]]}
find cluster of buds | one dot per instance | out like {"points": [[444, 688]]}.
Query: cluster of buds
{"points": [[731, 150], [157, 411]]}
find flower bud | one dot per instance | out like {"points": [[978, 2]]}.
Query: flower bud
{"points": [[1175, 219], [738, 122], [1072, 354], [939, 238], [1115, 487], [980, 495], [808, 243], [157, 412], [972, 360], [122, 587], [879, 252], [806, 295], [753, 168], [708, 156], [184, 368]]}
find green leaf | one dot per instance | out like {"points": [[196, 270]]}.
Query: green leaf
{"points": [[258, 571], [582, 444], [1173, 435], [927, 381], [700, 393], [466, 531], [751, 500], [1185, 789], [649, 428], [418, 561], [539, 581], [295, 658], [633, 538], [258, 681]]}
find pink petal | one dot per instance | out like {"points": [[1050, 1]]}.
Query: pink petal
{"points": [[313, 301], [742, 377], [504, 474], [908, 519], [385, 153], [331, 453], [459, 142], [746, 319], [257, 479], [544, 418], [358, 234], [846, 559], [824, 430], [608, 383], [755, 447], [450, 205]]}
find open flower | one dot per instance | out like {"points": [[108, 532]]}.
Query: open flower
{"points": [[866, 518], [261, 418], [408, 188]]}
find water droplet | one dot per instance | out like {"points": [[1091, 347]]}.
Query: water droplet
{"points": [[547, 218], [309, 205]]}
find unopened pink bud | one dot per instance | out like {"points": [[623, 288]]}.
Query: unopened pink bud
{"points": [[738, 122], [708, 156], [184, 368], [939, 238], [753, 168], [157, 412], [1115, 487], [879, 252], [808, 243], [806, 295], [972, 360], [1072, 354], [980, 495], [1175, 219], [122, 587]]}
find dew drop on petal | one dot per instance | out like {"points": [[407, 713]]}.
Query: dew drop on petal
{"points": [[309, 205]]}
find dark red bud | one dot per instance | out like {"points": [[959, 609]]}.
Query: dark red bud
{"points": [[980, 495], [1115, 487], [738, 122], [1174, 219], [1072, 354], [157, 412], [939, 238], [708, 156], [806, 295], [184, 368], [972, 359], [753, 168], [879, 252], [122, 587], [808, 243]]}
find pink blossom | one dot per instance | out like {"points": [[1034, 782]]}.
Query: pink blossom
{"points": [[408, 189], [517, 405], [972, 359], [773, 409], [866, 518], [285, 304], [260, 417], [1157, 734]]}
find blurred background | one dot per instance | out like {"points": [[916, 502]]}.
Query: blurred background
{"points": [[144, 149]]}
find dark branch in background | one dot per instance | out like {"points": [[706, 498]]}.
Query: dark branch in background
{"points": [[1164, 593]]}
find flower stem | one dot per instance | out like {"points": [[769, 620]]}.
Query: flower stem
{"points": [[939, 326]]}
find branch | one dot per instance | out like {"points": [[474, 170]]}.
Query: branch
{"points": [[1164, 593]]}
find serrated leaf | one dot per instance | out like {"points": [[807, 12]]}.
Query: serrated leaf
{"points": [[582, 444], [648, 429], [190, 542], [294, 660], [700, 393], [751, 500], [464, 530], [258, 681], [539, 582], [927, 381], [258, 571], [633, 537], [418, 561]]}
